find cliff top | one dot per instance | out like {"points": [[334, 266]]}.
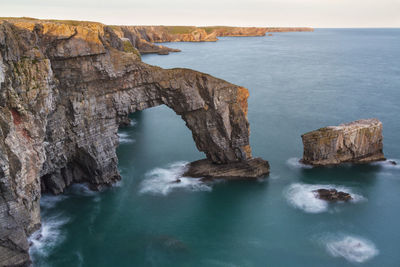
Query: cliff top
{"points": [[165, 28]]}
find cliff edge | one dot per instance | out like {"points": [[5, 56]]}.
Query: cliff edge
{"points": [[65, 87]]}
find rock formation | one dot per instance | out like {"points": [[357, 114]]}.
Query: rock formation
{"points": [[332, 195], [144, 37], [357, 142], [64, 89], [249, 169]]}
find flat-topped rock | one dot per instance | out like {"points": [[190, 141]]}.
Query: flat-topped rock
{"points": [[357, 142], [251, 168]]}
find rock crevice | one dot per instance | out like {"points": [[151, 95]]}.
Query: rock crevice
{"points": [[356, 142], [64, 90]]}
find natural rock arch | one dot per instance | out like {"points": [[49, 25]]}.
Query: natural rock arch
{"points": [[64, 90], [214, 110]]}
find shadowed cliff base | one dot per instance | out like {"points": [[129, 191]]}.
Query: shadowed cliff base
{"points": [[65, 87]]}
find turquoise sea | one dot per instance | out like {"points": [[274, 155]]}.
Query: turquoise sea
{"points": [[298, 82]]}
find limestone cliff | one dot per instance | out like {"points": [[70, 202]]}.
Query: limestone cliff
{"points": [[358, 142], [64, 89], [145, 37]]}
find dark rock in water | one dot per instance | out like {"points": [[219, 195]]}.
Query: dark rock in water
{"points": [[355, 142], [252, 168], [392, 162], [163, 53], [177, 181], [332, 195]]}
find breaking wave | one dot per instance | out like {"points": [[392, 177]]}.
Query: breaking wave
{"points": [[50, 201], [162, 181], [124, 138], [48, 236], [301, 196], [295, 163], [388, 164], [352, 248]]}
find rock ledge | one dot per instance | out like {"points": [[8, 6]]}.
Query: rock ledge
{"points": [[249, 169]]}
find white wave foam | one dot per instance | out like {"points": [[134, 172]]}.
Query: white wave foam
{"points": [[82, 190], [48, 236], [124, 138], [295, 163], [352, 248], [133, 122], [388, 164], [162, 181], [50, 201], [301, 196]]}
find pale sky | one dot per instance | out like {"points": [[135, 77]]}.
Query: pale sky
{"points": [[268, 13]]}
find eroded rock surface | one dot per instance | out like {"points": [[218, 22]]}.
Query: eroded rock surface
{"points": [[65, 87], [357, 142], [249, 169], [144, 37], [332, 195]]}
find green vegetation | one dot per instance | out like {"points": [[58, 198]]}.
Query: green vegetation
{"points": [[179, 29], [74, 22], [129, 48], [210, 29], [67, 22]]}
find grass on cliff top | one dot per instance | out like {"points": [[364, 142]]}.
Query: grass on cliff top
{"points": [[210, 29], [129, 48], [67, 22], [179, 29]]}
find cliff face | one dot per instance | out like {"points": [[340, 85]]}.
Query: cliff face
{"points": [[144, 37], [358, 142], [65, 87]]}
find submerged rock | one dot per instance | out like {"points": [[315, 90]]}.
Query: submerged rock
{"points": [[357, 142], [392, 162], [252, 168], [332, 195]]}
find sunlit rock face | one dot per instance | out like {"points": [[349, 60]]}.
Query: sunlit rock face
{"points": [[357, 142], [65, 87]]}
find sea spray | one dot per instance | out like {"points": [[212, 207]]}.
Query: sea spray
{"points": [[124, 138], [302, 196], [162, 181], [353, 248], [43, 241], [294, 163]]}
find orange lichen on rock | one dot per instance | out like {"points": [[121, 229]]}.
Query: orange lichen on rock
{"points": [[247, 150], [242, 96]]}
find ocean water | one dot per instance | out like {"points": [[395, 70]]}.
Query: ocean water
{"points": [[298, 82]]}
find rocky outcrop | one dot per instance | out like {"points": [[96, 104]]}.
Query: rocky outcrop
{"points": [[65, 87], [144, 37], [357, 142], [249, 169], [332, 195]]}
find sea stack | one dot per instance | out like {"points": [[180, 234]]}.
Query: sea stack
{"points": [[356, 142]]}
